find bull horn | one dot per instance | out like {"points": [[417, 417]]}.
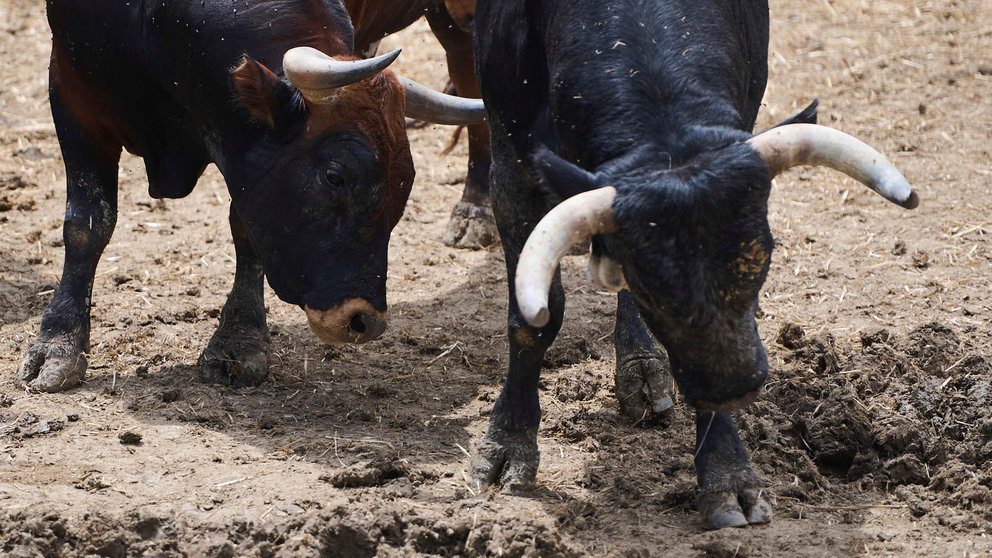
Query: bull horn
{"points": [[318, 76], [574, 219], [809, 144], [423, 103]]}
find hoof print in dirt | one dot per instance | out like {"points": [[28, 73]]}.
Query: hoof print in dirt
{"points": [[233, 363], [471, 226], [29, 425], [507, 459], [376, 473], [51, 366]]}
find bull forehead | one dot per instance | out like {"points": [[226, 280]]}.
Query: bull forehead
{"points": [[374, 108], [699, 273]]}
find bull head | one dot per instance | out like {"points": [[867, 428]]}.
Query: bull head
{"points": [[328, 179], [695, 246], [591, 212], [319, 77]]}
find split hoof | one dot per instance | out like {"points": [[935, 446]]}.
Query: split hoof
{"points": [[507, 459], [471, 226], [735, 509], [234, 362], [644, 387], [52, 366]]}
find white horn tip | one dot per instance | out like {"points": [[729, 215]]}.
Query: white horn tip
{"points": [[538, 317], [893, 186]]}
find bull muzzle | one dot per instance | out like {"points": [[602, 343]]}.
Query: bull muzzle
{"points": [[727, 406], [352, 321]]}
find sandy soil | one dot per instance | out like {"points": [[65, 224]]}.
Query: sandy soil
{"points": [[874, 434]]}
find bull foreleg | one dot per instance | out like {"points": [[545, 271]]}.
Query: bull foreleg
{"points": [[644, 384], [56, 359], [509, 453], [730, 493], [472, 224], [238, 352]]}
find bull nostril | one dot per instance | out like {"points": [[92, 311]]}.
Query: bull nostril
{"points": [[357, 323]]}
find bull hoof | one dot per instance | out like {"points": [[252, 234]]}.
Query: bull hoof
{"points": [[506, 458], [471, 226], [739, 508], [52, 366], [234, 360], [644, 387]]}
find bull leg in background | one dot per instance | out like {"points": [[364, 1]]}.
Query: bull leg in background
{"points": [[238, 352], [644, 384], [508, 453], [730, 493], [56, 359], [471, 224]]}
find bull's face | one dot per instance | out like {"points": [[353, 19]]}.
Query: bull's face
{"points": [[695, 248], [693, 243], [320, 193]]}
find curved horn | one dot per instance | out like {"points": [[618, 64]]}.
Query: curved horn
{"points": [[423, 103], [318, 76], [574, 219], [810, 144]]}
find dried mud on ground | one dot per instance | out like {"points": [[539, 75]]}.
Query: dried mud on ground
{"points": [[874, 433]]}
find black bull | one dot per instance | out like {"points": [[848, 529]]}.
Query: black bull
{"points": [[642, 110], [313, 150]]}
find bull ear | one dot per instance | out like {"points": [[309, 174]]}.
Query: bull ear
{"points": [[807, 116], [266, 97], [558, 176]]}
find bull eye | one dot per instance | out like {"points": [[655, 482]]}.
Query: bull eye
{"points": [[334, 177]]}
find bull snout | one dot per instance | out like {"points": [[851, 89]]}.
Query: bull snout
{"points": [[727, 406], [353, 321], [723, 393]]}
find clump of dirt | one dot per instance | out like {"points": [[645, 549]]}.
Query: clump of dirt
{"points": [[377, 472], [791, 336], [341, 531], [130, 438], [29, 425], [899, 410], [568, 351]]}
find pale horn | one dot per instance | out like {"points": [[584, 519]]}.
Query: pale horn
{"points": [[318, 76], [574, 219], [809, 144], [423, 103]]}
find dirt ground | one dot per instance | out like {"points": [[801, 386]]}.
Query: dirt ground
{"points": [[874, 433]]}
